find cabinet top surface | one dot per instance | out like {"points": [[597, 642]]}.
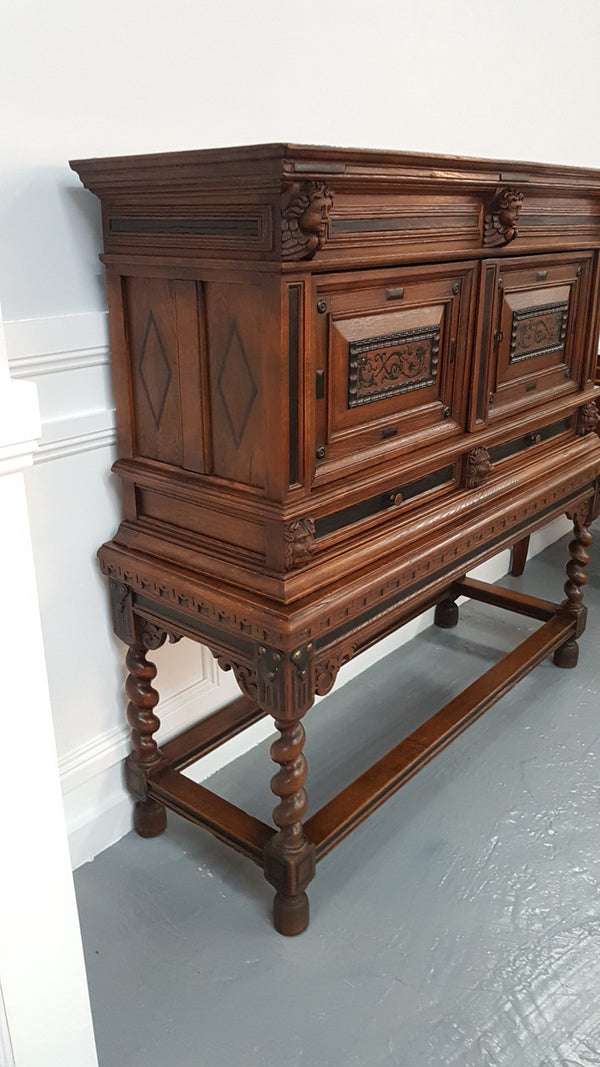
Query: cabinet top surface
{"points": [[287, 160]]}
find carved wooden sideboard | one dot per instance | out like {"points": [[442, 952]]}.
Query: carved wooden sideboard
{"points": [[343, 378]]}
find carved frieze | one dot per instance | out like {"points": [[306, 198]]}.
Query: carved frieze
{"points": [[536, 331], [299, 537], [305, 214], [501, 217], [245, 676], [587, 418], [476, 467], [154, 636], [580, 515], [327, 670], [130, 627], [121, 603], [389, 365]]}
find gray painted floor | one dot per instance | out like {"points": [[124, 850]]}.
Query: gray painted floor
{"points": [[460, 925]]}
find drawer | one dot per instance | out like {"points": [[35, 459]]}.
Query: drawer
{"points": [[413, 491], [390, 352], [531, 335]]}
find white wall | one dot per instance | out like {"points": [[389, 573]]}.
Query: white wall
{"points": [[511, 80], [44, 1006], [517, 79]]}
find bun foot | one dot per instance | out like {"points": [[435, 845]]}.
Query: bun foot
{"points": [[567, 655], [446, 614], [290, 914], [149, 818]]}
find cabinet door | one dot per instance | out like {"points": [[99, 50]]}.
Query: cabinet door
{"points": [[390, 357], [532, 340]]}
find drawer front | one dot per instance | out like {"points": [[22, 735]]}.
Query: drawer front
{"points": [[531, 342], [398, 498], [391, 359], [441, 494]]}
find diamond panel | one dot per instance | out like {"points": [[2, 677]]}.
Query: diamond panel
{"points": [[236, 385], [155, 370]]}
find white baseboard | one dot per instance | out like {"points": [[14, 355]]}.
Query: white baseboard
{"points": [[98, 816], [97, 806]]}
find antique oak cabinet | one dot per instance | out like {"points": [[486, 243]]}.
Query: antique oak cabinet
{"points": [[343, 378]]}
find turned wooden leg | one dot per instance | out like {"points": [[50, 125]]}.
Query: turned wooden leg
{"points": [[150, 817], [518, 557], [567, 655], [446, 614], [289, 856]]}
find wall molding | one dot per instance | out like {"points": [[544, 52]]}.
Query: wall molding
{"points": [[57, 342], [61, 345], [57, 363], [74, 444], [77, 415]]}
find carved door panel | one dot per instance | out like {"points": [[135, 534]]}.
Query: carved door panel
{"points": [[531, 339], [390, 350]]}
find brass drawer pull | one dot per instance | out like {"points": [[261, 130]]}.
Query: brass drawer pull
{"points": [[542, 275], [389, 431], [394, 294], [393, 499]]}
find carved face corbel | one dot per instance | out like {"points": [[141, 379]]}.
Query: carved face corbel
{"points": [[501, 217], [476, 467], [587, 418], [299, 537], [304, 219]]}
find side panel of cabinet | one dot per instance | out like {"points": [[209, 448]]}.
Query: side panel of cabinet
{"points": [[234, 337], [154, 366], [169, 405], [194, 353]]}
